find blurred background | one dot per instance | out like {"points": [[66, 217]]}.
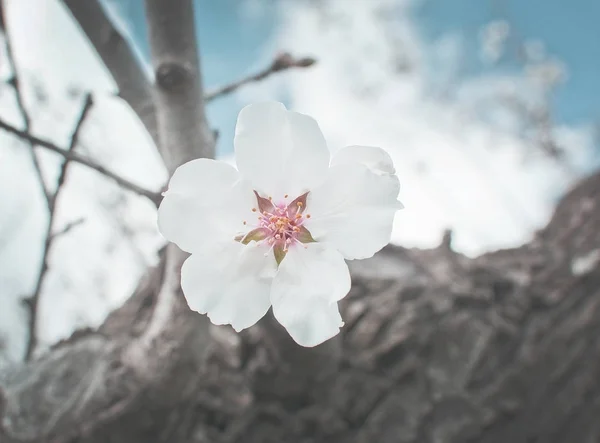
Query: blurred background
{"points": [[489, 109]]}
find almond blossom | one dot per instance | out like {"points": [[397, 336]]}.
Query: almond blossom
{"points": [[277, 230]]}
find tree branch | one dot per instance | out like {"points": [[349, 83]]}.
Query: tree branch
{"points": [[68, 228], [33, 301], [81, 159], [15, 81], [134, 84], [183, 130], [282, 62]]}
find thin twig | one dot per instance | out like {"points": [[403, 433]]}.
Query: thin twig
{"points": [[16, 84], [282, 62], [33, 301], [82, 159], [68, 228], [87, 106]]}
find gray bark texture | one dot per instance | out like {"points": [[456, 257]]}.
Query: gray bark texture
{"points": [[436, 348]]}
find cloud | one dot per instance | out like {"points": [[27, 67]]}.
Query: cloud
{"points": [[374, 85]]}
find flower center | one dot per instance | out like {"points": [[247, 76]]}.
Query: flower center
{"points": [[283, 224], [280, 225]]}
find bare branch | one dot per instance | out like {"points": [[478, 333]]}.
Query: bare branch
{"points": [[282, 62], [68, 228], [539, 118], [183, 130], [33, 301], [16, 83], [87, 105], [82, 159], [134, 84]]}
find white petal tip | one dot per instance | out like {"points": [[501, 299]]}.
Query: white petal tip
{"points": [[316, 343]]}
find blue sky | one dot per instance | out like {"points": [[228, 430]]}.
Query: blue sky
{"points": [[231, 43], [569, 29]]}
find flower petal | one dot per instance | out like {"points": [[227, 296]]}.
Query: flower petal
{"points": [[230, 282], [305, 291], [279, 151], [353, 210], [206, 202], [376, 159]]}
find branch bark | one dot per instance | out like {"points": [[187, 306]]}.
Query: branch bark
{"points": [[15, 81], [134, 84], [183, 130], [282, 62], [32, 302], [83, 160]]}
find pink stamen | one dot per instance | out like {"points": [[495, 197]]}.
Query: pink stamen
{"points": [[282, 222]]}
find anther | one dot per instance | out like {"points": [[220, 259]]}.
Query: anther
{"points": [[270, 198], [253, 209], [285, 196], [307, 215], [244, 221], [299, 204]]}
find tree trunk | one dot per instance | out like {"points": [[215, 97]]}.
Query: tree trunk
{"points": [[436, 348]]}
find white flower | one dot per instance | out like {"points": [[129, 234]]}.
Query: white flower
{"points": [[276, 232]]}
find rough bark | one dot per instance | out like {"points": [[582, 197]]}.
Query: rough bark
{"points": [[183, 131], [183, 135], [436, 348]]}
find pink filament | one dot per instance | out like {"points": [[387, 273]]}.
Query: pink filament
{"points": [[282, 224]]}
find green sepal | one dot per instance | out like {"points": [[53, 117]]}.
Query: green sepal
{"points": [[257, 234], [279, 253], [304, 236]]}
